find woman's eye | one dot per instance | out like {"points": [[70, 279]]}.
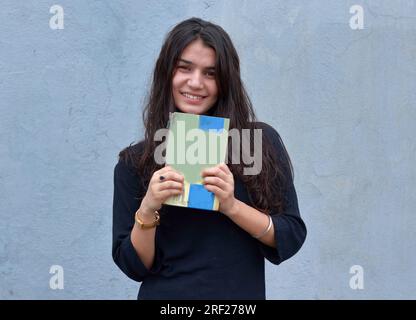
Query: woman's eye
{"points": [[184, 68], [210, 74]]}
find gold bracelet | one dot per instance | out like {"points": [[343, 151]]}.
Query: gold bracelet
{"points": [[150, 225], [265, 231]]}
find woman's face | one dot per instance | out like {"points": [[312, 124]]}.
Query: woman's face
{"points": [[193, 84]]}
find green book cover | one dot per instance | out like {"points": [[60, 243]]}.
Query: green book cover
{"points": [[195, 142]]}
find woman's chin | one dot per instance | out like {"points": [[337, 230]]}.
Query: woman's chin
{"points": [[192, 109]]}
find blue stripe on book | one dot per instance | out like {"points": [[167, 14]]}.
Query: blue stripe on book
{"points": [[200, 198], [214, 123]]}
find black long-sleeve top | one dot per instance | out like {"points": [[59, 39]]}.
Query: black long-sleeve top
{"points": [[201, 254]]}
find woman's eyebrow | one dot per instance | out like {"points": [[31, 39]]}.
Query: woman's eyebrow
{"points": [[190, 62]]}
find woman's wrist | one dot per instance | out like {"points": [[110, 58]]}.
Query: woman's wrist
{"points": [[234, 210], [143, 223], [147, 214]]}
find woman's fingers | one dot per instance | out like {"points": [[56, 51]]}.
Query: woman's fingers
{"points": [[225, 168], [210, 180], [169, 192], [216, 190], [159, 190], [169, 174], [216, 171], [174, 176], [170, 185]]}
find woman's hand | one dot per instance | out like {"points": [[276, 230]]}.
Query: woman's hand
{"points": [[220, 181], [159, 190]]}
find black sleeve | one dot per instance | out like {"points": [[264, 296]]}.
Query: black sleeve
{"points": [[290, 230], [125, 204]]}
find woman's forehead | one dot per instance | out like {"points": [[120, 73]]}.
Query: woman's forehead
{"points": [[199, 54]]}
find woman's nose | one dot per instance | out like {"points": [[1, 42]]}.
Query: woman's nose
{"points": [[195, 80]]}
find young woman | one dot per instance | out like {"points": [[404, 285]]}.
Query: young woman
{"points": [[185, 253]]}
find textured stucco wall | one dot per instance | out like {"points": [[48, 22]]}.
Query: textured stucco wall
{"points": [[343, 101]]}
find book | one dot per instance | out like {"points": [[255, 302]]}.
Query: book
{"points": [[195, 142]]}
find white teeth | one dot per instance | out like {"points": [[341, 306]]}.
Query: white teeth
{"points": [[191, 96]]}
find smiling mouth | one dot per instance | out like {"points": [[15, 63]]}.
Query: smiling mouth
{"points": [[192, 96]]}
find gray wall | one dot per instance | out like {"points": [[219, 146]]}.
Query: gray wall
{"points": [[343, 101]]}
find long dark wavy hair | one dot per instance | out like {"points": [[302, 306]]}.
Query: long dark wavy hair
{"points": [[266, 188]]}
